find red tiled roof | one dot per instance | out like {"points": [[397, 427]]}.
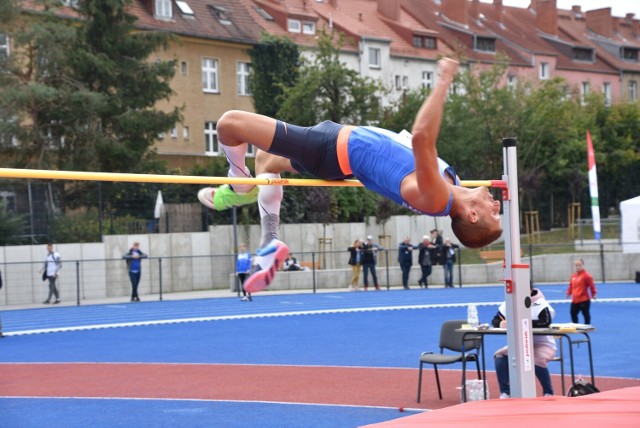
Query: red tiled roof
{"points": [[360, 18], [515, 30], [573, 30], [460, 35], [203, 23]]}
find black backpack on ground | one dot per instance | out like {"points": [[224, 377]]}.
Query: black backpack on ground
{"points": [[581, 387]]}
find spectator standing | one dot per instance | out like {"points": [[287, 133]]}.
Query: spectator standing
{"points": [[448, 260], [581, 289], [52, 265], [243, 269], [424, 260], [544, 347], [134, 266], [405, 259], [435, 251], [369, 259], [355, 261]]}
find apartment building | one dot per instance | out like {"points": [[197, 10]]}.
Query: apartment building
{"points": [[395, 41]]}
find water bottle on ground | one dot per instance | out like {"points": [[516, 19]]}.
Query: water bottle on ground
{"points": [[472, 316]]}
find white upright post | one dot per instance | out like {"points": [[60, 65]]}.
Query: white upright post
{"points": [[517, 285]]}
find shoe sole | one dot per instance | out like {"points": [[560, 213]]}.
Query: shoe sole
{"points": [[202, 197], [261, 279]]}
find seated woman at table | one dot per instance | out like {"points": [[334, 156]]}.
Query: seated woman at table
{"points": [[544, 347]]}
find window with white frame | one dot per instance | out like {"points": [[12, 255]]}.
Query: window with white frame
{"points": [[585, 88], [184, 69], [242, 74], [544, 70], [174, 132], [375, 58], [4, 46], [512, 81], [163, 9], [427, 79], [210, 75], [211, 145], [405, 82], [185, 132], [293, 25], [606, 93], [309, 27], [632, 90]]}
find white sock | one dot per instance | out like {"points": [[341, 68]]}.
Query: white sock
{"points": [[237, 167], [269, 201]]}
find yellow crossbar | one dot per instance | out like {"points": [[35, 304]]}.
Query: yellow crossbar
{"points": [[39, 174]]}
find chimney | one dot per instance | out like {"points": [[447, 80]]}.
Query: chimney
{"points": [[547, 16], [497, 5], [455, 10], [389, 9], [334, 3], [475, 9], [600, 22], [635, 25], [576, 9]]}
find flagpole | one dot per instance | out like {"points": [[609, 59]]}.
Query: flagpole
{"points": [[593, 187]]}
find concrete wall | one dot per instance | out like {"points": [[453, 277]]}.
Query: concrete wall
{"points": [[205, 261]]}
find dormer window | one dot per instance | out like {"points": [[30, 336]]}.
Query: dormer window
{"points": [[223, 15], [293, 25], [163, 9], [425, 42], [629, 54], [308, 27], [485, 44], [583, 54]]}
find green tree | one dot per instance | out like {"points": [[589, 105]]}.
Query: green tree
{"points": [[113, 60], [274, 66], [81, 94], [11, 225], [616, 140], [40, 99], [328, 90]]}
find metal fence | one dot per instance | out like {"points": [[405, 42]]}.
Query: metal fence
{"points": [[90, 281]]}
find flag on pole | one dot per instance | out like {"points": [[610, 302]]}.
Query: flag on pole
{"points": [[593, 187], [157, 212]]}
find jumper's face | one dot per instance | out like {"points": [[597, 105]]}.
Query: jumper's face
{"points": [[487, 207], [579, 264]]}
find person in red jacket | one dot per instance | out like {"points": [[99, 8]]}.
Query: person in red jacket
{"points": [[582, 289]]}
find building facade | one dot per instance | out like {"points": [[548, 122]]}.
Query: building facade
{"points": [[397, 42]]}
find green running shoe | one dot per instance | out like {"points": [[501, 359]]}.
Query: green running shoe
{"points": [[223, 197]]}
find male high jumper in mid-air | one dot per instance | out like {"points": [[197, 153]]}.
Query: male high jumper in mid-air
{"points": [[409, 173]]}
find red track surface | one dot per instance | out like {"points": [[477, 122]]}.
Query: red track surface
{"points": [[295, 384]]}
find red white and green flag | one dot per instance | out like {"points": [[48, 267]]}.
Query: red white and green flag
{"points": [[593, 187]]}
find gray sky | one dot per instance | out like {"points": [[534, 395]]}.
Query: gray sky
{"points": [[619, 8]]}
